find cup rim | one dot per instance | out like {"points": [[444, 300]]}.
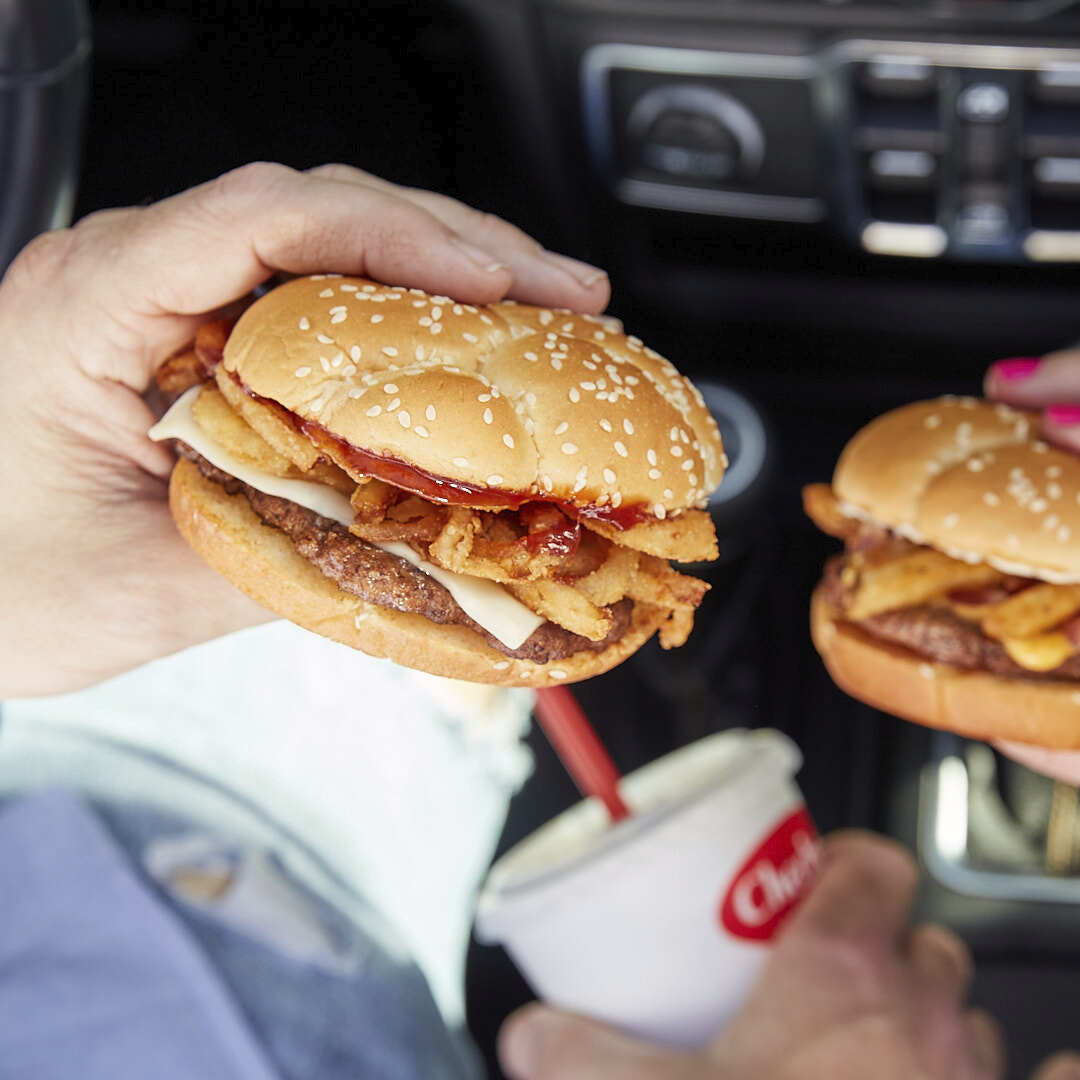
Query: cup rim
{"points": [[761, 743]]}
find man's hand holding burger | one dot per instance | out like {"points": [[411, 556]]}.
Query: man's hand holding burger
{"points": [[96, 579]]}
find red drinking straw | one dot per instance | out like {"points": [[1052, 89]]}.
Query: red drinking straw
{"points": [[580, 748]]}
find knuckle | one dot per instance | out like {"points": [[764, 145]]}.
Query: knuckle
{"points": [[255, 180], [860, 966], [335, 170], [42, 258]]}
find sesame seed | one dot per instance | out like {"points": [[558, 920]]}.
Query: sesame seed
{"points": [[668, 493], [419, 303], [532, 357], [369, 288], [1039, 447], [574, 394], [1038, 506], [302, 372], [483, 398], [1012, 540], [436, 328], [376, 318], [425, 320], [588, 386], [389, 350], [494, 480], [324, 363], [337, 360], [688, 464], [660, 510], [556, 673], [1054, 491], [436, 313], [472, 339], [501, 665], [991, 499], [650, 456], [569, 448], [360, 618], [404, 419], [556, 363], [374, 410], [1063, 534], [340, 317], [393, 405], [305, 323], [326, 292], [488, 416], [628, 427], [546, 481], [975, 465], [676, 451], [421, 431], [926, 671], [932, 421], [620, 448], [355, 353], [429, 412], [461, 462], [508, 441], [356, 392], [606, 425], [347, 287], [1053, 471], [562, 428], [616, 499], [390, 388], [609, 476]]}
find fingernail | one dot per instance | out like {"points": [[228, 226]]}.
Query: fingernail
{"points": [[484, 259], [1020, 367], [1063, 415], [583, 273]]}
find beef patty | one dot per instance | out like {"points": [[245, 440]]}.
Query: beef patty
{"points": [[938, 633], [378, 577]]}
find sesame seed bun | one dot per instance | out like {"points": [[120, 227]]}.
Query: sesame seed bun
{"points": [[511, 397], [972, 479], [977, 704], [263, 562]]}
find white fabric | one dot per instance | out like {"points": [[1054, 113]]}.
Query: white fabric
{"points": [[398, 782]]}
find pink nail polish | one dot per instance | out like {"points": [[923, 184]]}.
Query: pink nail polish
{"points": [[1063, 415], [1018, 368]]}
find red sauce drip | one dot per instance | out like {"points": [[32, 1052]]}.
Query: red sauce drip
{"points": [[448, 492]]}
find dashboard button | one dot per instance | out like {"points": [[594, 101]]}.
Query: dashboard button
{"points": [[983, 103]]}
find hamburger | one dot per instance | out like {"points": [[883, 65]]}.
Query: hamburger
{"points": [[956, 603], [486, 493]]}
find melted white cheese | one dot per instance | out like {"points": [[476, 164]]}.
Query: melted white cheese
{"points": [[489, 604], [1006, 566]]}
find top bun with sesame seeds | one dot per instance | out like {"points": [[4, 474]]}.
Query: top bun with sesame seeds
{"points": [[957, 602], [508, 397], [486, 492]]}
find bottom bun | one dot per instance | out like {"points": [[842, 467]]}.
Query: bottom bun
{"points": [[262, 561], [978, 704]]}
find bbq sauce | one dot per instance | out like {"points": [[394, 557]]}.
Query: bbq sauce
{"points": [[446, 491]]}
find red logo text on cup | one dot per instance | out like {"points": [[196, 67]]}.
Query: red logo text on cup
{"points": [[772, 880]]}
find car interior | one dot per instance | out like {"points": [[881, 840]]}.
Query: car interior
{"points": [[818, 209]]}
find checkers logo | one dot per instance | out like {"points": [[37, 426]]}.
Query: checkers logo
{"points": [[772, 881]]}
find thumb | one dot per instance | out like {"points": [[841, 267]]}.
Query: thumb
{"points": [[538, 1043]]}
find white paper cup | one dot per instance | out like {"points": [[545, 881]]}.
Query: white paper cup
{"points": [[660, 924]]}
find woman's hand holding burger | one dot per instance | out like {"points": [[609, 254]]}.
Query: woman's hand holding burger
{"points": [[96, 579]]}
